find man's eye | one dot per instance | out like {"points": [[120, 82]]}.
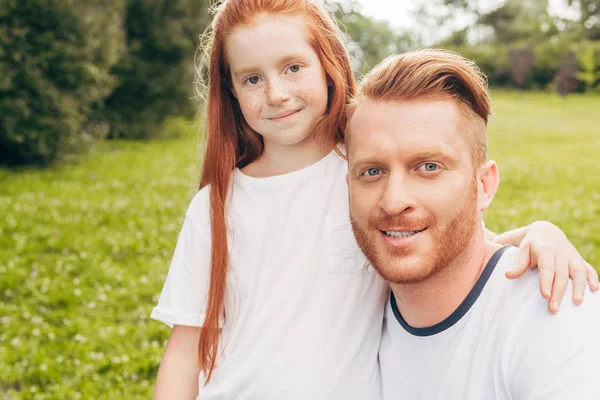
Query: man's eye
{"points": [[294, 68], [372, 172], [253, 80], [429, 167]]}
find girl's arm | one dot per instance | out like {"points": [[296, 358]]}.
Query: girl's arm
{"points": [[179, 369], [544, 245]]}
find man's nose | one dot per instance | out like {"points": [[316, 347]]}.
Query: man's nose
{"points": [[277, 91], [397, 198]]}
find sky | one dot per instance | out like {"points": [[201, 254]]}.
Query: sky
{"points": [[397, 12]]}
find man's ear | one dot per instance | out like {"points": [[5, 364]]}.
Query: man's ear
{"points": [[488, 180]]}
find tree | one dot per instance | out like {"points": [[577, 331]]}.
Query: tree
{"points": [[521, 65], [55, 58], [566, 81], [589, 61], [156, 72], [375, 39]]}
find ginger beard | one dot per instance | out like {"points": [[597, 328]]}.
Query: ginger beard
{"points": [[446, 243]]}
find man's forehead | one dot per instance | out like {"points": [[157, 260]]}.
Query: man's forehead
{"points": [[391, 127]]}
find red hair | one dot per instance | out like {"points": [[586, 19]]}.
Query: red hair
{"points": [[231, 143], [432, 73]]}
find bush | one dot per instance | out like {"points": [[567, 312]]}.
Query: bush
{"points": [[492, 59], [55, 58], [589, 62], [156, 73]]}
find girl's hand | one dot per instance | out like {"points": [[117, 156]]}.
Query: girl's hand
{"points": [[544, 245]]}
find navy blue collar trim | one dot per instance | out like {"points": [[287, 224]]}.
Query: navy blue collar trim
{"points": [[464, 307]]}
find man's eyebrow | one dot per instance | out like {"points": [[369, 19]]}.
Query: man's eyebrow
{"points": [[437, 153], [365, 160]]}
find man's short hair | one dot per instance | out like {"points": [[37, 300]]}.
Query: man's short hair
{"points": [[433, 74]]}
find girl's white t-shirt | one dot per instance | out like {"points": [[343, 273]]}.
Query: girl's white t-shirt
{"points": [[303, 307]]}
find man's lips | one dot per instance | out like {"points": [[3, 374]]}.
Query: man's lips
{"points": [[401, 233], [284, 115]]}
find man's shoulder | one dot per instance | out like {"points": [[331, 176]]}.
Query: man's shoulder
{"points": [[542, 349], [525, 296]]}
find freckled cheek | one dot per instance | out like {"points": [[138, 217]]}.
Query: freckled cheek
{"points": [[251, 105], [314, 92]]}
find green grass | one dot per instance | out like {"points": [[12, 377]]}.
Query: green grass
{"points": [[84, 249]]}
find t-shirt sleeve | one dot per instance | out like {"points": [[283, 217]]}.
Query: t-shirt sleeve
{"points": [[554, 357], [184, 296]]}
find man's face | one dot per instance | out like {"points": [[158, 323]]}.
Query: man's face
{"points": [[412, 185]]}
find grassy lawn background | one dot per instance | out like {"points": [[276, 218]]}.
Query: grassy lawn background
{"points": [[84, 249]]}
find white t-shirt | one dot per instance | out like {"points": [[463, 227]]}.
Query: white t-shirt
{"points": [[304, 308], [500, 343]]}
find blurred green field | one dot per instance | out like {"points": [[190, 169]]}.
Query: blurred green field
{"points": [[84, 249]]}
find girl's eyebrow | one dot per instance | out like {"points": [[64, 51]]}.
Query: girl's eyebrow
{"points": [[282, 61]]}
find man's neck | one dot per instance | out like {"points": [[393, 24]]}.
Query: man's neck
{"points": [[432, 301]]}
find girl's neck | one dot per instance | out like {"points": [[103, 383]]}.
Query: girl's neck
{"points": [[279, 159]]}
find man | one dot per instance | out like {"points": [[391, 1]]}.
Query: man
{"points": [[455, 327]]}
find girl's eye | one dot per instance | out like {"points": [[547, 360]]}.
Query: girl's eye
{"points": [[294, 68], [253, 80], [429, 167], [372, 172]]}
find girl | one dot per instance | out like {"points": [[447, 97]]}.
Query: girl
{"points": [[269, 295]]}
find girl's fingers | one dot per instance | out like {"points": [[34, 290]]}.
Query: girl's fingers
{"points": [[592, 277], [522, 263], [578, 272], [558, 267]]}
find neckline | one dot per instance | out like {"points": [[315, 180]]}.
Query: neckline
{"points": [[462, 309], [278, 180]]}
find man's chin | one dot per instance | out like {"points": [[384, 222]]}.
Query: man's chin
{"points": [[404, 270]]}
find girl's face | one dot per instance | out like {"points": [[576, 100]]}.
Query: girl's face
{"points": [[277, 78]]}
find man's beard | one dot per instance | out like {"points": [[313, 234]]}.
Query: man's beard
{"points": [[449, 242]]}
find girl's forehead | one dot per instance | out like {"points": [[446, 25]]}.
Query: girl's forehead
{"points": [[267, 28], [268, 38]]}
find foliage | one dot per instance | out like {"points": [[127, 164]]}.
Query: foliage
{"points": [[372, 40], [84, 250], [589, 62], [565, 81], [55, 58], [521, 64], [156, 72]]}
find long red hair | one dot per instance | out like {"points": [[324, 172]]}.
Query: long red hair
{"points": [[231, 143]]}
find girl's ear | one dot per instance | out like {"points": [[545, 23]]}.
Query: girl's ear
{"points": [[232, 90]]}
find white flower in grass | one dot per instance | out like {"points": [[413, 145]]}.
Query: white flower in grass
{"points": [[80, 338]]}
